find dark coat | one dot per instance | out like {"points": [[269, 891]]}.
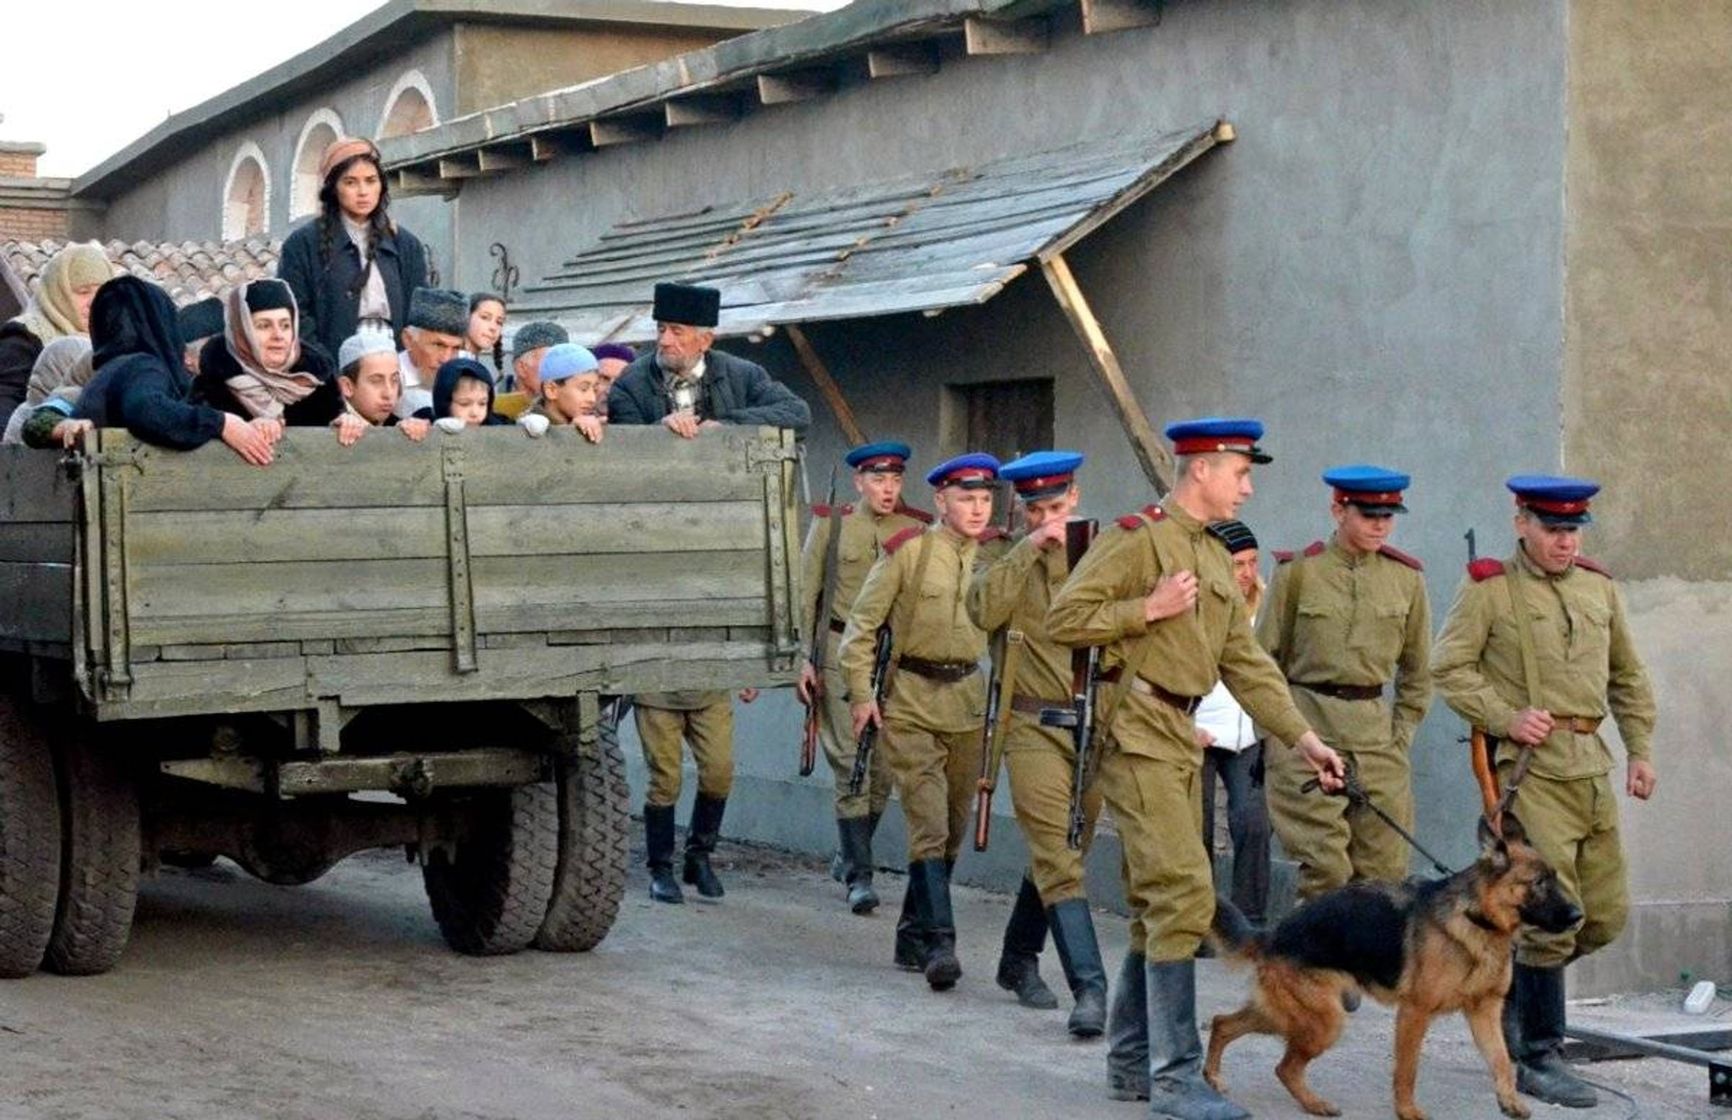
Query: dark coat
{"points": [[736, 391], [328, 295], [19, 349], [323, 405], [140, 383]]}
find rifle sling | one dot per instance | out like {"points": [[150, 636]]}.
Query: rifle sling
{"points": [[827, 596], [1530, 673], [906, 605]]}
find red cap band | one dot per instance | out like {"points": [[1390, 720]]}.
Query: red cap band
{"points": [[1549, 505], [882, 463], [1029, 485], [966, 474], [1204, 445], [1377, 498]]}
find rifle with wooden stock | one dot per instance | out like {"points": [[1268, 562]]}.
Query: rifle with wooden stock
{"points": [[869, 734], [1079, 717], [1006, 655], [821, 636]]}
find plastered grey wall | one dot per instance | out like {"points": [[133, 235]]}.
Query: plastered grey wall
{"points": [[186, 200]]}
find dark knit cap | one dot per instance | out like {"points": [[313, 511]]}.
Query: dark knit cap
{"points": [[534, 336], [1236, 535], [439, 309], [614, 350], [200, 320], [269, 295], [689, 304]]}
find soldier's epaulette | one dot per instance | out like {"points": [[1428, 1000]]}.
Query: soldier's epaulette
{"points": [[901, 539], [1485, 568], [1284, 555], [822, 510], [1401, 557], [1593, 566], [1315, 548], [1150, 513], [992, 533], [916, 513]]}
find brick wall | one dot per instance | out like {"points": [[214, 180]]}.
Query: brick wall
{"points": [[32, 225], [17, 165]]}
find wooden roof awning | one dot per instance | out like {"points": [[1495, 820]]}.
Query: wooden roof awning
{"points": [[926, 243]]}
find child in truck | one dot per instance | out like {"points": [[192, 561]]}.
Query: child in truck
{"points": [[370, 381], [462, 397], [571, 393]]}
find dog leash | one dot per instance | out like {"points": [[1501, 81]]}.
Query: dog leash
{"points": [[1355, 793]]}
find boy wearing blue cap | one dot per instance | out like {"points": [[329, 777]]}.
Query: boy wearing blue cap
{"points": [[1158, 593], [1537, 651], [570, 392], [1345, 620], [1013, 595], [841, 547], [935, 701]]}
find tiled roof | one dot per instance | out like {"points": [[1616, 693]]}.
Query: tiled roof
{"points": [[187, 270]]}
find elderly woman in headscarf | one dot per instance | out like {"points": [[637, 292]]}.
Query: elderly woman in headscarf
{"points": [[141, 385], [259, 367], [61, 371], [60, 307]]}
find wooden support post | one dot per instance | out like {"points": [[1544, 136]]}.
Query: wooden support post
{"points": [[701, 109], [624, 130], [1118, 15], [1157, 464], [459, 166], [506, 157], [796, 85], [989, 36], [897, 60], [544, 146], [831, 391]]}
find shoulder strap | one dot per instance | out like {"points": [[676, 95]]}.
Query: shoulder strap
{"points": [[905, 609], [1524, 635], [1138, 655], [1290, 605]]}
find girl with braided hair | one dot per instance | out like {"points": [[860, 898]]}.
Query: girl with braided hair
{"points": [[486, 335], [352, 268]]}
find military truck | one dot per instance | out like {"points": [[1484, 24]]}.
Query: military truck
{"points": [[390, 645]]}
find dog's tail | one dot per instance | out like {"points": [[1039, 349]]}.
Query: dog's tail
{"points": [[1232, 934]]}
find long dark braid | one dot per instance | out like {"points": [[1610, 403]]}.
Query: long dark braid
{"points": [[331, 218]]}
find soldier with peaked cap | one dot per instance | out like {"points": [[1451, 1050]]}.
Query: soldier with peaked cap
{"points": [[1013, 595], [1157, 591], [936, 700], [1537, 651], [1345, 620], [686, 386], [862, 531]]}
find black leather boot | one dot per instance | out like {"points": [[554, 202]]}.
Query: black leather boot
{"points": [[701, 837], [1176, 1086], [1073, 935], [857, 854], [910, 935], [658, 828], [1534, 1016], [933, 902], [1128, 1033], [1024, 938]]}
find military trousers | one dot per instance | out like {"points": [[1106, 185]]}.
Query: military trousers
{"points": [[1151, 779], [836, 733], [1041, 762], [709, 730], [935, 774], [1334, 841], [1573, 822]]}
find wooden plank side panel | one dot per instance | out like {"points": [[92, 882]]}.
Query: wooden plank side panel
{"points": [[36, 601], [34, 486]]}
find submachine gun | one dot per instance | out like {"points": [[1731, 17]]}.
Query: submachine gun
{"points": [[869, 733], [1079, 717], [821, 636]]}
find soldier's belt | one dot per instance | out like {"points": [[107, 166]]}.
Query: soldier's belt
{"points": [[1034, 705], [838, 625], [1342, 691], [946, 672], [1185, 704], [1581, 725]]}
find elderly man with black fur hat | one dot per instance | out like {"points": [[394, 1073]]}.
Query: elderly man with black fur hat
{"points": [[438, 321], [686, 386]]}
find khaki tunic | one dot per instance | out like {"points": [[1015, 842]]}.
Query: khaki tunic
{"points": [[1150, 766], [931, 732], [864, 534], [1587, 667], [1335, 617], [1015, 593]]}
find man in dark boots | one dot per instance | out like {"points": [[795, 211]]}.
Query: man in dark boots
{"points": [[1533, 1029], [856, 836], [666, 720], [1128, 1027], [1024, 938], [658, 827], [1012, 596], [701, 837]]}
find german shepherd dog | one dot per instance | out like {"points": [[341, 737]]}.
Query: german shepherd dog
{"points": [[1426, 947]]}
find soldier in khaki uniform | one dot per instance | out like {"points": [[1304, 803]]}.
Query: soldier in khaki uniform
{"points": [[1583, 665], [1158, 592], [933, 710], [1343, 621], [861, 532], [1013, 594], [706, 721]]}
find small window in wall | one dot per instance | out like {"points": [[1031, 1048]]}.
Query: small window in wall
{"points": [[320, 132], [247, 196], [409, 107]]}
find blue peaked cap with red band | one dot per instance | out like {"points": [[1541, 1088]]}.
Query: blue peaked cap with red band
{"points": [[1554, 499], [972, 471], [1375, 490], [1219, 433], [1041, 474], [885, 455]]}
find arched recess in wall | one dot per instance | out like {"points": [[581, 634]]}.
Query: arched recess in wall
{"points": [[409, 107], [321, 129], [247, 195]]}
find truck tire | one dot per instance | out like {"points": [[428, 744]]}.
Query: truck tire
{"points": [[99, 861], [489, 891], [29, 842], [594, 813]]}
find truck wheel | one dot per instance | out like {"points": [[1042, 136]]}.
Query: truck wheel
{"points": [[593, 818], [489, 890], [99, 861], [29, 842]]}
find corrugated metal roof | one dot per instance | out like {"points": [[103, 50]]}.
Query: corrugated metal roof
{"points": [[915, 244]]}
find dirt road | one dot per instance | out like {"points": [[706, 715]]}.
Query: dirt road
{"points": [[339, 1000]]}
